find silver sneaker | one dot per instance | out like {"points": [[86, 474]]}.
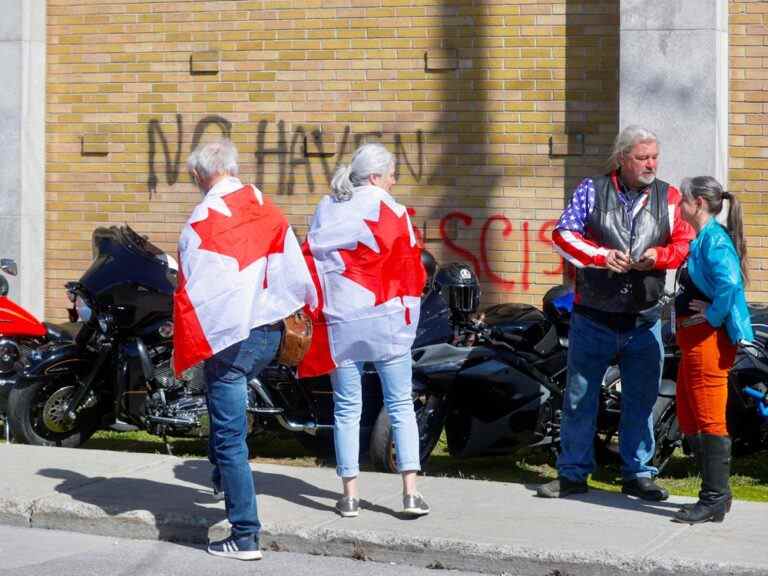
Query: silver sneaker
{"points": [[348, 507], [415, 505], [218, 495]]}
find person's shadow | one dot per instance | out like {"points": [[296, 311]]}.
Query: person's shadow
{"points": [[288, 488], [184, 511], [620, 501], [181, 513]]}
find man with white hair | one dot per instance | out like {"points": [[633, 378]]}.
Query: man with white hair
{"points": [[622, 231], [241, 272]]}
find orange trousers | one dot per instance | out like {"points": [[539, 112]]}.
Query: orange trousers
{"points": [[707, 355]]}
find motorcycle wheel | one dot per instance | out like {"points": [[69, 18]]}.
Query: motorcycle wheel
{"points": [[666, 432], [430, 415], [36, 411]]}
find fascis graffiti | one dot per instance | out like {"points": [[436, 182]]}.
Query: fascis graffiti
{"points": [[480, 259], [289, 157]]}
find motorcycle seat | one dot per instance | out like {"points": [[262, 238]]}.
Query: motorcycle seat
{"points": [[65, 331]]}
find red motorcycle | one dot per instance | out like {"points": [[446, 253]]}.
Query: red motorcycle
{"points": [[20, 332]]}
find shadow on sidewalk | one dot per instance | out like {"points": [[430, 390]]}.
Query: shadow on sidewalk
{"points": [[181, 513], [619, 501], [288, 488]]}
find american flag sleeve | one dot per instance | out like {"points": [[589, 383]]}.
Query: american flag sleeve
{"points": [[568, 236]]}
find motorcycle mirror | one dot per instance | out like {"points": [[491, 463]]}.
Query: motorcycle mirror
{"points": [[8, 265]]}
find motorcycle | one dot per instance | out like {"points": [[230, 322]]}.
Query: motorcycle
{"points": [[747, 404], [118, 370], [496, 386], [20, 333], [747, 407]]}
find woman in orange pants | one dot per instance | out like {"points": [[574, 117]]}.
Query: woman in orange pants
{"points": [[712, 319]]}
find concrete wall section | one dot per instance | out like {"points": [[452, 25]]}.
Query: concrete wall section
{"points": [[22, 147], [10, 134], [32, 229], [674, 80]]}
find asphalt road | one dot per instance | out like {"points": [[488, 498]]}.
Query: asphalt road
{"points": [[35, 552]]}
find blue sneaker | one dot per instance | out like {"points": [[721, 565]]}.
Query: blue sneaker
{"points": [[244, 548]]}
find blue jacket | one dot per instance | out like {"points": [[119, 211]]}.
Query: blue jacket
{"points": [[714, 267]]}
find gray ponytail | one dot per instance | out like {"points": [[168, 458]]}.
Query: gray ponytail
{"points": [[367, 160]]}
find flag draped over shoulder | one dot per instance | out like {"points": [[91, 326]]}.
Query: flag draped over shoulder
{"points": [[240, 267], [366, 265]]}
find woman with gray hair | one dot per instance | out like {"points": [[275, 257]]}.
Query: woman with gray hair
{"points": [[712, 318], [367, 267]]}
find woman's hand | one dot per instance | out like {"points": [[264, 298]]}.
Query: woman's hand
{"points": [[701, 308]]}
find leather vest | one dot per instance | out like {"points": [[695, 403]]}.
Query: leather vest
{"points": [[610, 225]]}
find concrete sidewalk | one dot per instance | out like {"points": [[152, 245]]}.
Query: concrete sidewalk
{"points": [[482, 526]]}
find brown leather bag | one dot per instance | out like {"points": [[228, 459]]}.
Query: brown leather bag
{"points": [[297, 336]]}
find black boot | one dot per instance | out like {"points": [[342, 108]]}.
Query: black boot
{"points": [[715, 494]]}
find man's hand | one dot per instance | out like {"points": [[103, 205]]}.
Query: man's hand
{"points": [[648, 260], [618, 261]]}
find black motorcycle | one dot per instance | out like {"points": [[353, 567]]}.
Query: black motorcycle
{"points": [[118, 370], [496, 385]]}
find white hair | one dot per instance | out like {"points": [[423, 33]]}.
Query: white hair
{"points": [[369, 159], [218, 157], [627, 139]]}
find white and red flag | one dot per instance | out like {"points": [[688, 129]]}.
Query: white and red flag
{"points": [[366, 264], [240, 267]]}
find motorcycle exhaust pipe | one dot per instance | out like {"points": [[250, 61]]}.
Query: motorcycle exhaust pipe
{"points": [[310, 427], [171, 421]]}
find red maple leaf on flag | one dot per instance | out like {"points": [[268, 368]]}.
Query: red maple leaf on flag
{"points": [[396, 269], [253, 231]]}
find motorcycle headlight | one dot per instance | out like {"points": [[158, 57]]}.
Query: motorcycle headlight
{"points": [[84, 311], [166, 329], [9, 355]]}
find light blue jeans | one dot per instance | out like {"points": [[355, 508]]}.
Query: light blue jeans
{"points": [[592, 348], [395, 376]]}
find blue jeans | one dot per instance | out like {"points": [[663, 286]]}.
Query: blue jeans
{"points": [[227, 374], [592, 348], [395, 376]]}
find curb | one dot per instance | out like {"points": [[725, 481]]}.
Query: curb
{"points": [[434, 553]]}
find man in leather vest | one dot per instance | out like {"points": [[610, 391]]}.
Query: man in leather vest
{"points": [[621, 231]]}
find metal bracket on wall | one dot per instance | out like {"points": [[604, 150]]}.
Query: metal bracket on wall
{"points": [[561, 145], [441, 60], [94, 144], [206, 62]]}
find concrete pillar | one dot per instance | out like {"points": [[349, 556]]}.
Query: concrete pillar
{"points": [[674, 80], [22, 148]]}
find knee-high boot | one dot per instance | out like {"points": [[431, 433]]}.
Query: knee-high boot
{"points": [[715, 494]]}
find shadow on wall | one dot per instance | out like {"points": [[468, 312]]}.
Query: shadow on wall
{"points": [[591, 90], [510, 132]]}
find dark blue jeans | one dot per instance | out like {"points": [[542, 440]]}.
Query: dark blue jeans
{"points": [[227, 374], [592, 348]]}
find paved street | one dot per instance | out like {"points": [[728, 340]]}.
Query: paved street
{"points": [[36, 552]]}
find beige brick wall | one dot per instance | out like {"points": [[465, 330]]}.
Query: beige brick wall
{"points": [[471, 121], [748, 175]]}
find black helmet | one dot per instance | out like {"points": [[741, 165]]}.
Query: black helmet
{"points": [[430, 265], [458, 285]]}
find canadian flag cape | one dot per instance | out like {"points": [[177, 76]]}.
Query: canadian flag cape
{"points": [[240, 267], [366, 265]]}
